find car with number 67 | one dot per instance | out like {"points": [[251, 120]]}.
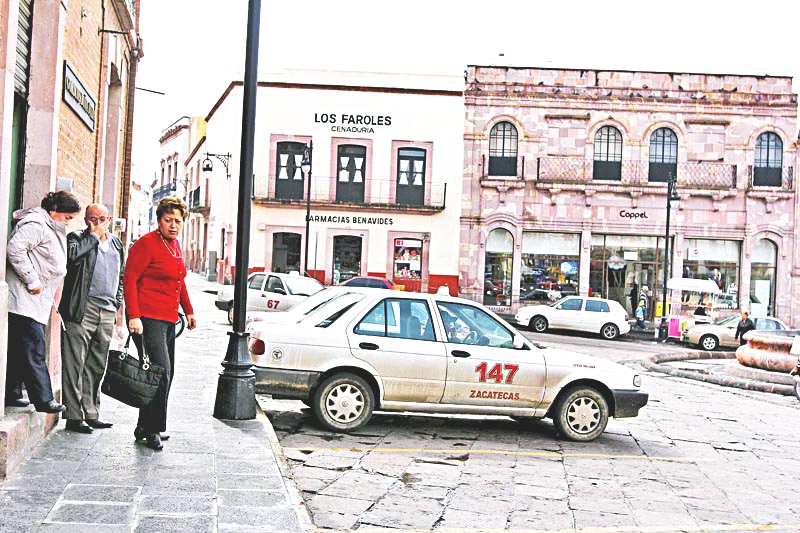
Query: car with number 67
{"points": [[357, 350], [270, 291]]}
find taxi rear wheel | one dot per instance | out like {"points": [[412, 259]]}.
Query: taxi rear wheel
{"points": [[581, 414], [343, 402]]}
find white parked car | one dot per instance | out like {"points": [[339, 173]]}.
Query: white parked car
{"points": [[579, 313], [270, 291], [367, 349]]}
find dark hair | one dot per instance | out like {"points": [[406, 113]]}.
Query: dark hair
{"points": [[170, 203], [61, 202]]}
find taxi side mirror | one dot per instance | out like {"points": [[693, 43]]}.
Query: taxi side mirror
{"points": [[519, 343], [278, 290]]}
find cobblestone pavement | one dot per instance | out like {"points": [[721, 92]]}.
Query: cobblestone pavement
{"points": [[698, 458], [212, 475]]}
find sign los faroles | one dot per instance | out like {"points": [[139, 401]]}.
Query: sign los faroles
{"points": [[348, 123]]}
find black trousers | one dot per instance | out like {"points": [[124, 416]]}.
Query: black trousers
{"points": [[159, 344], [27, 360]]}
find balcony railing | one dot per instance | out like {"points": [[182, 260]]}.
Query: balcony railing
{"points": [[161, 192], [197, 200], [701, 175], [371, 193], [770, 178]]}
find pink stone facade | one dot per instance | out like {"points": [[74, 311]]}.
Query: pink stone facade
{"points": [[721, 123]]}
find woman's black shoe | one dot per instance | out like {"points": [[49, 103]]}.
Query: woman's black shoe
{"points": [[17, 402], [140, 435], [154, 441], [50, 407]]}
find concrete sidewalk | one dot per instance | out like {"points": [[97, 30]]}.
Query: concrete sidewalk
{"points": [[212, 475]]}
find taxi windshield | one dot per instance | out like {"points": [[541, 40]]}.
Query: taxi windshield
{"points": [[331, 306]]}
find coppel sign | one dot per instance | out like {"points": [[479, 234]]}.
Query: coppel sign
{"points": [[633, 215]]}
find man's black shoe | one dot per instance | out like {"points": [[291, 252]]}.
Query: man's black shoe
{"points": [[17, 402], [99, 424], [140, 435], [50, 407], [154, 442], [79, 426]]}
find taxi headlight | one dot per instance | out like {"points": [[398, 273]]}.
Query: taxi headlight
{"points": [[637, 380]]}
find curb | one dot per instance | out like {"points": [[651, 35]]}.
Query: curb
{"points": [[295, 497], [653, 363]]}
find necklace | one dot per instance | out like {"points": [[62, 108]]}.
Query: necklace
{"points": [[169, 248]]}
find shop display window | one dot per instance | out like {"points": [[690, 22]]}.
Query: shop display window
{"points": [[550, 266], [764, 261], [407, 259], [716, 260], [498, 271]]}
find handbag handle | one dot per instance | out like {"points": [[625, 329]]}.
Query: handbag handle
{"points": [[143, 356]]}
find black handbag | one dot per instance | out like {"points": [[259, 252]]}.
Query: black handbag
{"points": [[129, 380]]}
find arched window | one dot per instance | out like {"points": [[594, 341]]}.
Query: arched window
{"points": [[763, 262], [498, 272], [663, 155], [607, 154], [768, 161], [503, 150]]}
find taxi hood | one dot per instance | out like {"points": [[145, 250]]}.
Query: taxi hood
{"points": [[556, 357]]}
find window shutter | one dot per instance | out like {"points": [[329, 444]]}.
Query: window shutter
{"points": [[22, 69]]}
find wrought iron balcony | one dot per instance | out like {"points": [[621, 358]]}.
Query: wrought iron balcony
{"points": [[770, 178], [372, 193], [161, 192], [698, 175]]}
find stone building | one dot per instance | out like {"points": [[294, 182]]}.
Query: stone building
{"points": [[67, 72], [565, 188]]}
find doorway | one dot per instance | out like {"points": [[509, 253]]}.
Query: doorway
{"points": [[346, 258], [286, 252]]}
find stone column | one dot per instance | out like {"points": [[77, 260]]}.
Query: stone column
{"points": [[585, 262], [9, 16]]}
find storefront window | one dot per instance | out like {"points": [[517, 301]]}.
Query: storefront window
{"points": [[408, 263], [346, 258], [622, 265], [498, 270], [285, 252], [716, 260], [764, 261], [549, 265]]}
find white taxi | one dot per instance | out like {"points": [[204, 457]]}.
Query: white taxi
{"points": [[578, 313], [367, 349], [270, 291]]}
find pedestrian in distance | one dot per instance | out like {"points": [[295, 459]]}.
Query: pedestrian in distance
{"points": [[745, 325], [154, 286], [90, 300], [632, 295], [37, 257], [640, 316], [644, 300]]}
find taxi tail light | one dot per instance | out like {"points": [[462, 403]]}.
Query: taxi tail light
{"points": [[257, 347], [397, 287]]}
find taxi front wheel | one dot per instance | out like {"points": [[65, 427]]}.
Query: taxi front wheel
{"points": [[344, 402], [581, 414]]}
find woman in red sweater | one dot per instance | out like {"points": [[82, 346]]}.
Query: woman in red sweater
{"points": [[154, 286]]}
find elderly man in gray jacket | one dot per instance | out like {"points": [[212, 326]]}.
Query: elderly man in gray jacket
{"points": [[89, 304]]}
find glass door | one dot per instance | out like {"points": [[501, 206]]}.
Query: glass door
{"points": [[346, 258]]}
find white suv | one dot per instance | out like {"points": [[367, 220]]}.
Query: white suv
{"points": [[580, 313], [367, 349]]}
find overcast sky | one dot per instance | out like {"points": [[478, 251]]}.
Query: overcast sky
{"points": [[194, 48]]}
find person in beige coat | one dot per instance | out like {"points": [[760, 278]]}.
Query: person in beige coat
{"points": [[37, 261]]}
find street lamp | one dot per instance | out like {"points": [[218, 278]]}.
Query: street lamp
{"points": [[672, 196], [305, 168], [236, 386], [226, 161]]}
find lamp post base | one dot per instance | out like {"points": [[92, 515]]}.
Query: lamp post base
{"points": [[662, 330], [236, 387]]}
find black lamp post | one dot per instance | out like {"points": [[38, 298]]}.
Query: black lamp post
{"points": [[672, 196], [236, 398], [305, 168]]}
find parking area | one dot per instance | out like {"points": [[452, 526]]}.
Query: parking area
{"points": [[699, 456]]}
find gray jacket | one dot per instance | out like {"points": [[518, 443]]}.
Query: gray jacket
{"points": [[37, 252]]}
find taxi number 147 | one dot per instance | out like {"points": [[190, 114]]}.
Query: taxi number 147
{"points": [[496, 373]]}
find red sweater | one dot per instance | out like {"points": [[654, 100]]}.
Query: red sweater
{"points": [[153, 281]]}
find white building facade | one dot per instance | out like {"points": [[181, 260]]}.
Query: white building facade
{"points": [[385, 187]]}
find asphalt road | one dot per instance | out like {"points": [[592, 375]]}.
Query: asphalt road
{"points": [[698, 458]]}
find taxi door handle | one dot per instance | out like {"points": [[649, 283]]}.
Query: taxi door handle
{"points": [[368, 346], [460, 353]]}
